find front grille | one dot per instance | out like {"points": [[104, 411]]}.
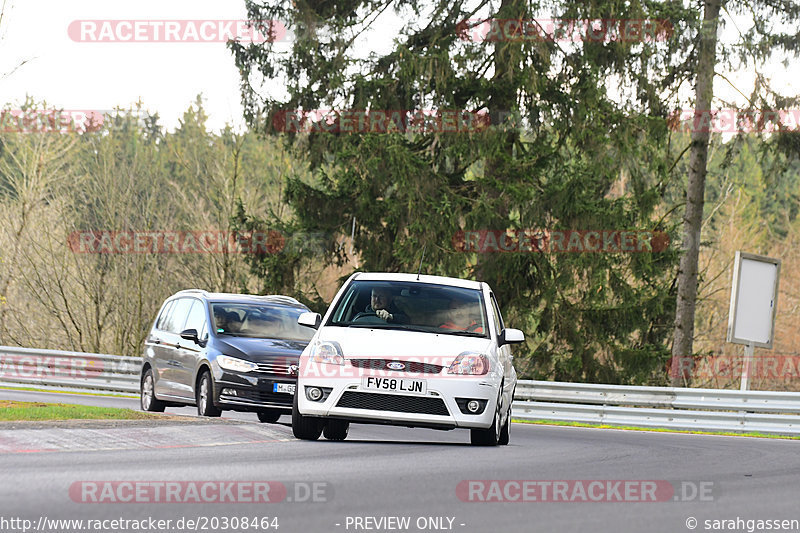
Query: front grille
{"points": [[414, 367], [393, 402], [278, 367]]}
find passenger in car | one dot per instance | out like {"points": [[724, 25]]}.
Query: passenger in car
{"points": [[263, 326], [461, 317]]}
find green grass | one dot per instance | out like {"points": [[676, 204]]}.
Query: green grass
{"points": [[17, 411], [657, 430]]}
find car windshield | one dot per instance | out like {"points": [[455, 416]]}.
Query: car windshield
{"points": [[412, 306], [262, 321]]}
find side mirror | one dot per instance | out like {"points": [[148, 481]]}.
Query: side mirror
{"points": [[190, 335], [511, 336], [309, 319]]}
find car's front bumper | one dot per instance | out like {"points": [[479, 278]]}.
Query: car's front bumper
{"points": [[248, 392], [349, 399]]}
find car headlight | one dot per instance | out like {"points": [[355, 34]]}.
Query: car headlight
{"points": [[234, 363], [327, 352], [470, 363]]}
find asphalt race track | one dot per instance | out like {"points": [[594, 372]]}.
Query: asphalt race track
{"points": [[380, 473]]}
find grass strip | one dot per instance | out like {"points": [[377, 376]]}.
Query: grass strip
{"points": [[656, 430], [18, 411]]}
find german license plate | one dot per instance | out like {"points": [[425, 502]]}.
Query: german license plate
{"points": [[415, 386], [284, 387]]}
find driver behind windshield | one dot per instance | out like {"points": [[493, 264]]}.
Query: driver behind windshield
{"points": [[381, 303]]}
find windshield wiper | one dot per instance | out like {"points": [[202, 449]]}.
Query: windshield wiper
{"points": [[462, 333], [404, 327], [379, 326]]}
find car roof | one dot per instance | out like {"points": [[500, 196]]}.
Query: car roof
{"points": [[414, 278], [242, 298]]}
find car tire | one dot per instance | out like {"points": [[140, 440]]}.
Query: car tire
{"points": [[505, 431], [269, 416], [336, 430], [204, 395], [304, 427], [147, 397], [491, 435]]}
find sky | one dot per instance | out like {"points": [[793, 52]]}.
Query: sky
{"points": [[165, 76]]}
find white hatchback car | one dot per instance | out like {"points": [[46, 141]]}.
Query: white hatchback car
{"points": [[407, 350]]}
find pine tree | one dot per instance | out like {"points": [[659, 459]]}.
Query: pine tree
{"points": [[562, 151]]}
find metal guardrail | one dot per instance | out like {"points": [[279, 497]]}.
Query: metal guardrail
{"points": [[658, 407], [676, 398], [69, 370]]}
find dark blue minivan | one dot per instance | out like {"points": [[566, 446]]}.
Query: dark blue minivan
{"points": [[224, 352]]}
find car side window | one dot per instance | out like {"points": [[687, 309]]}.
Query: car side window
{"points": [[196, 318], [347, 310], [498, 319], [162, 318], [178, 314]]}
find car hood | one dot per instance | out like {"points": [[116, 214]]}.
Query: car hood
{"points": [[369, 343], [256, 350]]}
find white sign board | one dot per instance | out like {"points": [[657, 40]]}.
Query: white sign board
{"points": [[754, 298]]}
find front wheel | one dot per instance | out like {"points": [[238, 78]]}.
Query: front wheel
{"points": [[269, 416], [491, 435], [148, 398], [304, 427], [336, 430], [205, 396], [505, 431]]}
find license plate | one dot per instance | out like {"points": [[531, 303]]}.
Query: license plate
{"points": [[416, 386], [284, 387]]}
